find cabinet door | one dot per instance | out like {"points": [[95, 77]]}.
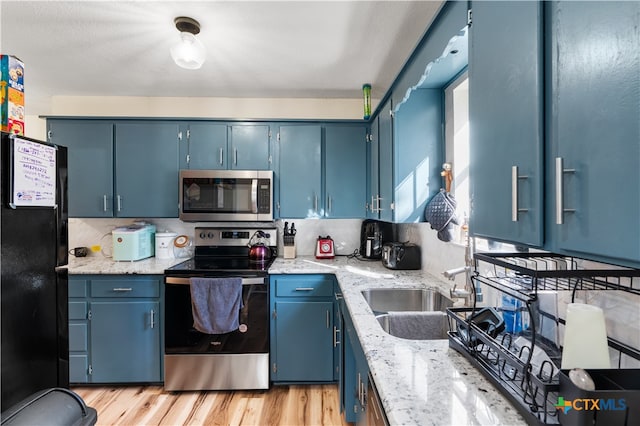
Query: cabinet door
{"points": [[125, 341], [506, 122], [90, 159], [373, 169], [304, 333], [386, 162], [300, 174], [249, 147], [417, 153], [345, 171], [146, 169], [594, 109], [206, 146]]}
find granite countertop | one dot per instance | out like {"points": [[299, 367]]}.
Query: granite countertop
{"points": [[420, 382], [99, 264]]}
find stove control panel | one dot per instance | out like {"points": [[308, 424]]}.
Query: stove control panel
{"points": [[231, 237]]}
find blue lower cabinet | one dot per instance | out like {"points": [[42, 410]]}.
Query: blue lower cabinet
{"points": [[302, 328], [354, 379], [115, 329], [125, 338]]}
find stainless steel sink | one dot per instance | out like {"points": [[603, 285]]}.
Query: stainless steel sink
{"points": [[383, 300], [415, 325], [410, 313]]}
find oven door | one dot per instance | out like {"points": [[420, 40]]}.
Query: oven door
{"points": [[235, 360]]}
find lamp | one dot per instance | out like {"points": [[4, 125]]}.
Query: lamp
{"points": [[189, 53]]}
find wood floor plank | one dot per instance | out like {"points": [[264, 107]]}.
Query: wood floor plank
{"points": [[297, 405]]}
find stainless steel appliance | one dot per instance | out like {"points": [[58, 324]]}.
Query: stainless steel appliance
{"points": [[373, 235], [235, 360], [401, 256], [226, 195], [35, 337]]}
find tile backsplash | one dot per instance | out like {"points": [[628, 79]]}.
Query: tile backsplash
{"points": [[344, 232]]}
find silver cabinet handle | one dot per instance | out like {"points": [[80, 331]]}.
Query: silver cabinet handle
{"points": [[304, 289], [153, 318], [328, 203], [336, 342], [123, 289], [315, 202], [328, 325], [119, 199], [560, 171], [359, 388], [104, 202], [235, 156], [221, 156], [514, 193]]}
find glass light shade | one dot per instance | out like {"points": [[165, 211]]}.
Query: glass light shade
{"points": [[189, 53]]}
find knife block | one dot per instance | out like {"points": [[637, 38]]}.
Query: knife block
{"points": [[290, 251]]}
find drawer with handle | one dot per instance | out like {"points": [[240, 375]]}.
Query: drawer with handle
{"points": [[139, 287], [313, 286]]}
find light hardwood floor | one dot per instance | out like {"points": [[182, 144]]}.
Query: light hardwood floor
{"points": [[151, 405]]}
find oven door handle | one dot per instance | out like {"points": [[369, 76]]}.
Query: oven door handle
{"points": [[186, 281]]}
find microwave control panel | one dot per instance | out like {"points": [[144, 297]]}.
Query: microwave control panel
{"points": [[264, 196]]}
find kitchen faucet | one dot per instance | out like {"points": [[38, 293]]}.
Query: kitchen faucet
{"points": [[465, 293]]}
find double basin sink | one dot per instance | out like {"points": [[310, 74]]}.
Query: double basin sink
{"points": [[410, 313]]}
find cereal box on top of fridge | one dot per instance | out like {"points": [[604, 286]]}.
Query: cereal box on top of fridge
{"points": [[11, 94]]}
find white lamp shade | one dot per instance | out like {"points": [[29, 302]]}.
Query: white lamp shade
{"points": [[189, 53], [585, 338]]}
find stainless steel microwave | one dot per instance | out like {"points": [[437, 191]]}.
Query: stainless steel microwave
{"points": [[226, 195]]}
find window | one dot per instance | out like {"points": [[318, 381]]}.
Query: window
{"points": [[457, 146]]}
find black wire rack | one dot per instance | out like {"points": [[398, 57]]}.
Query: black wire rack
{"points": [[532, 388]]}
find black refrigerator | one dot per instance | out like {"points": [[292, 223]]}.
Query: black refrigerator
{"points": [[34, 315]]}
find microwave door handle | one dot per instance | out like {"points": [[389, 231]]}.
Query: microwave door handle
{"points": [[254, 195]]}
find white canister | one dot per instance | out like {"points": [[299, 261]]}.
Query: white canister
{"points": [[585, 338], [164, 245]]}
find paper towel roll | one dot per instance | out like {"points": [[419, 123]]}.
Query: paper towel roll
{"points": [[585, 338]]}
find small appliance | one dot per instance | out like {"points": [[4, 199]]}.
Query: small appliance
{"points": [[373, 235], [324, 248], [133, 242], [226, 195], [401, 256]]}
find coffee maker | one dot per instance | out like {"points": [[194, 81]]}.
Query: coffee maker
{"points": [[373, 235]]}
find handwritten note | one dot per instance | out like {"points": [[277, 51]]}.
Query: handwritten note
{"points": [[34, 174]]}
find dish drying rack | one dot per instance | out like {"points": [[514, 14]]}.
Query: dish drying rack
{"points": [[531, 387]]}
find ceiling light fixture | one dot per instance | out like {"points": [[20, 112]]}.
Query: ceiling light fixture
{"points": [[189, 53]]}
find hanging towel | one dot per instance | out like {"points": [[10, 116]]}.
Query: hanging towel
{"points": [[419, 325], [440, 212], [216, 303]]}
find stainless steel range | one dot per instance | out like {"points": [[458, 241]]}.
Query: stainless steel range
{"points": [[238, 359]]}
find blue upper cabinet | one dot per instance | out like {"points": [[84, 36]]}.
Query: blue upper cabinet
{"points": [[203, 146], [593, 131], [506, 121], [300, 171], [90, 152], [384, 199], [322, 171], [417, 153], [373, 168], [249, 147], [345, 171], [146, 161]]}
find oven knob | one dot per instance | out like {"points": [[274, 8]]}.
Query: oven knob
{"points": [[210, 235], [203, 235]]}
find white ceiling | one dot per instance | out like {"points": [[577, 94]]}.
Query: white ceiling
{"points": [[259, 49]]}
